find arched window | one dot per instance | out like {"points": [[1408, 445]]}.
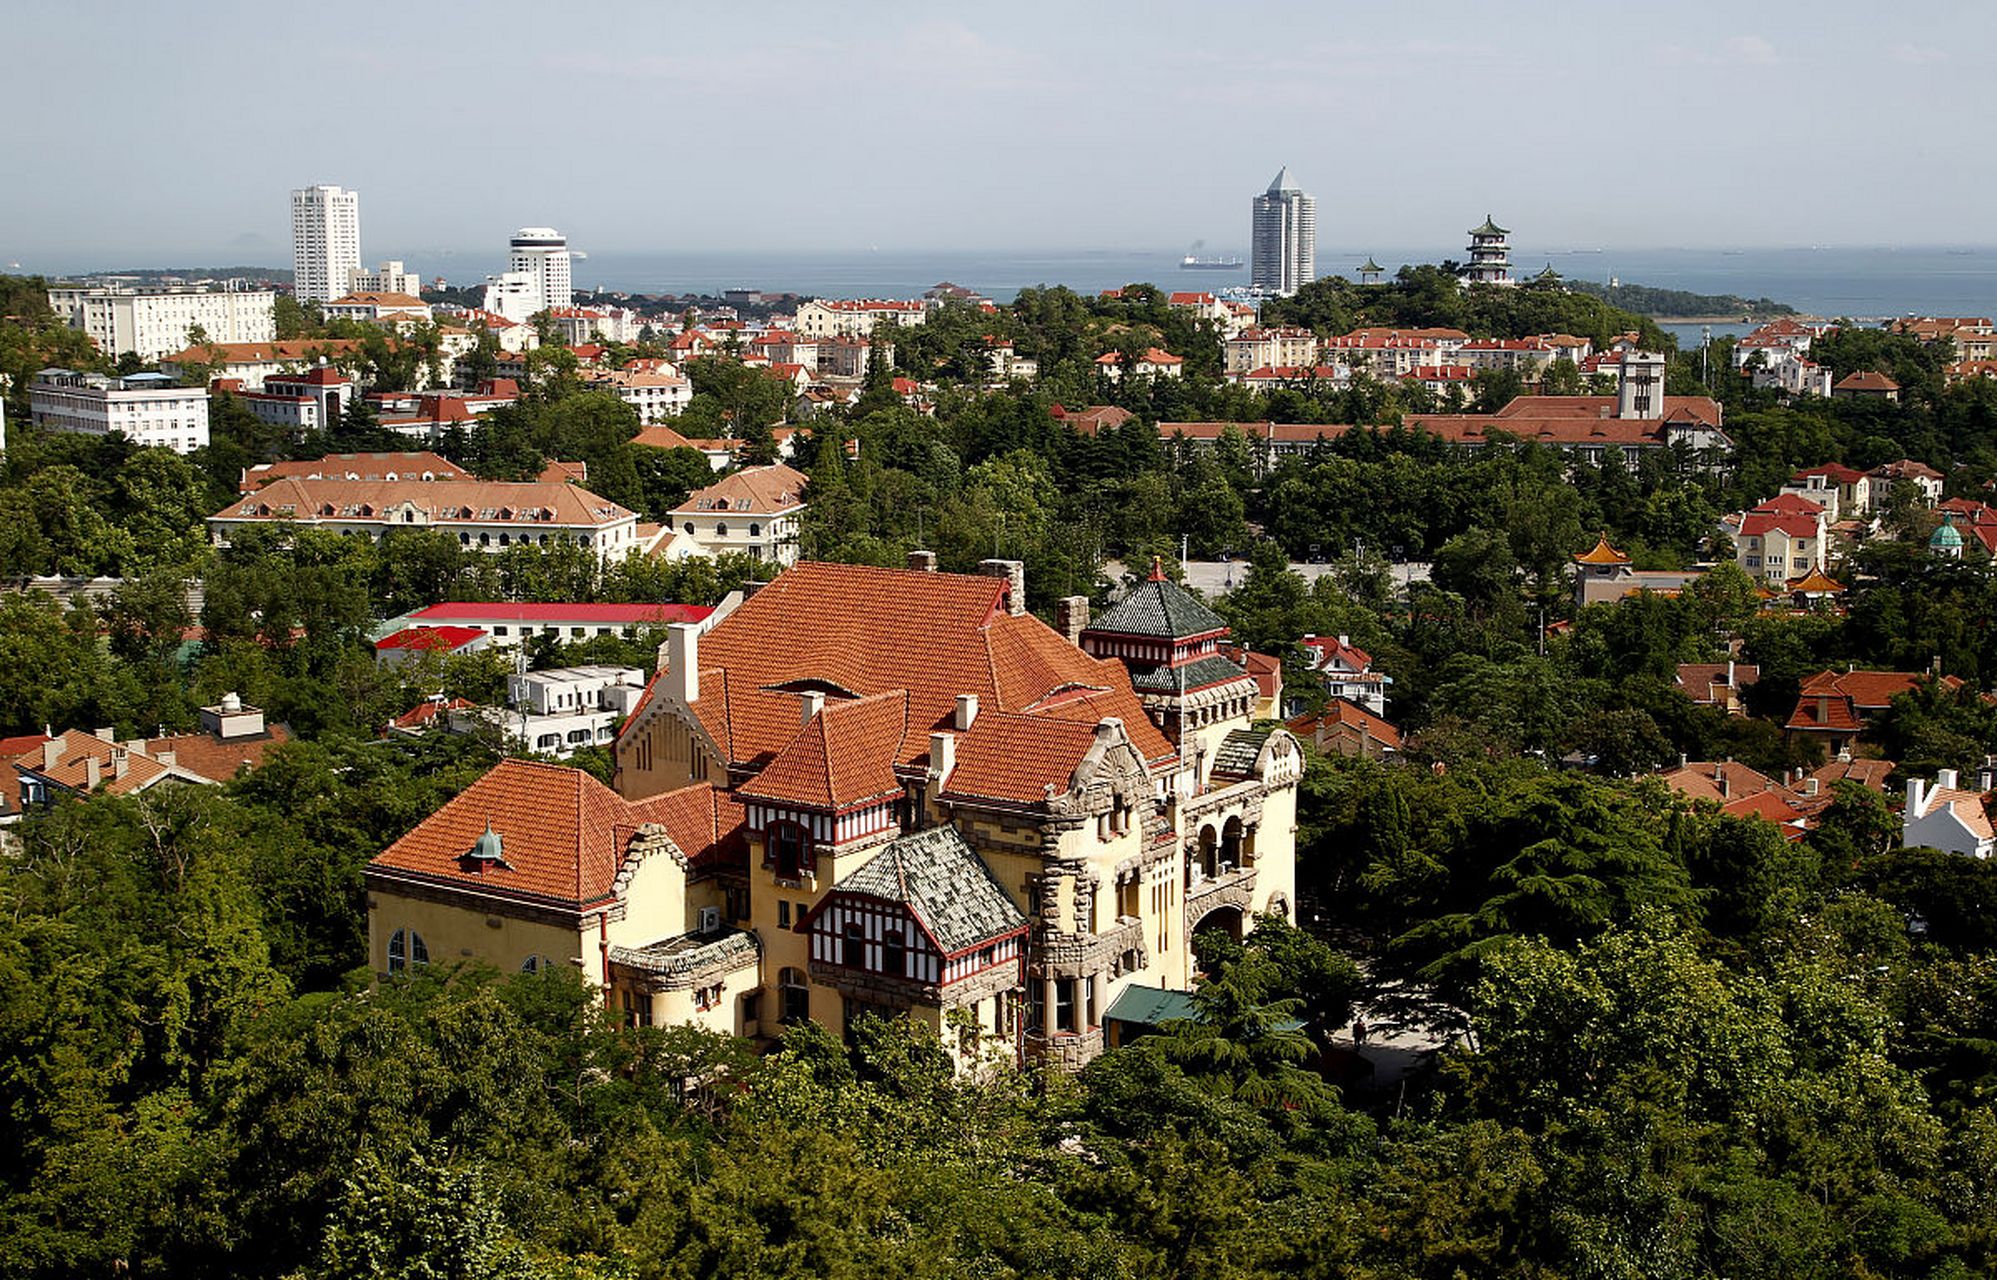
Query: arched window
{"points": [[721, 530], [793, 996], [853, 947], [405, 948], [534, 964], [689, 526], [787, 854], [755, 531]]}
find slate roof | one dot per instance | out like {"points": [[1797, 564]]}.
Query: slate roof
{"points": [[1201, 673], [1159, 608], [944, 883], [1237, 752]]}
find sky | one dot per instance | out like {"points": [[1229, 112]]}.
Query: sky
{"points": [[172, 134]]}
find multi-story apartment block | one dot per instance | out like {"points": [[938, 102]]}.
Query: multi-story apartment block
{"points": [[486, 515], [1283, 237], [389, 277], [881, 791], [151, 322], [1253, 349], [149, 409], [325, 243], [855, 317]]}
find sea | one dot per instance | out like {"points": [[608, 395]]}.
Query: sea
{"points": [[1862, 282], [1859, 282]]}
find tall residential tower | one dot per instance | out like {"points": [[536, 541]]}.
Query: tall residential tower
{"points": [[1284, 237], [325, 242]]}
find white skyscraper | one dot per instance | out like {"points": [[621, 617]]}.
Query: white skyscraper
{"points": [[325, 242], [543, 253], [1284, 237]]}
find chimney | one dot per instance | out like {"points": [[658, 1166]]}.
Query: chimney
{"points": [[1108, 729], [1945, 779], [1071, 617], [967, 710], [814, 702], [52, 751], [1916, 793], [1730, 675], [168, 758], [942, 756], [683, 661], [922, 561], [1014, 572], [121, 763], [1810, 786], [750, 587], [92, 775], [1345, 642], [1683, 759], [107, 735]]}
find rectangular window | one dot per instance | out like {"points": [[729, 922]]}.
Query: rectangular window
{"points": [[783, 913], [1064, 1004]]}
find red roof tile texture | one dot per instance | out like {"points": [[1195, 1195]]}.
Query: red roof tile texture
{"points": [[563, 834]]}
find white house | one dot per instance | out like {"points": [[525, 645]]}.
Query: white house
{"points": [[1347, 672], [559, 711], [149, 409], [1943, 816], [757, 510], [855, 317]]}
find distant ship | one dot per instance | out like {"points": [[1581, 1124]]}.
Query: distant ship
{"points": [[1194, 262]]}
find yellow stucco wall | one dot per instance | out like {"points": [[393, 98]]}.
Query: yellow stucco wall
{"points": [[453, 933]]}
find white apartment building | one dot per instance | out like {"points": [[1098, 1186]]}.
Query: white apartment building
{"points": [[389, 277], [325, 243], [558, 711], [1283, 237], [543, 253], [656, 396], [514, 296], [377, 306], [149, 409], [153, 322], [855, 317], [483, 515]]}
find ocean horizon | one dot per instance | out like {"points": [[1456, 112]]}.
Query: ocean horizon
{"points": [[1866, 282]]}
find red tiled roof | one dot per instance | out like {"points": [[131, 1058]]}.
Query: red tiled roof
{"points": [[1832, 701], [445, 500], [1016, 757], [1701, 780], [865, 630], [428, 710], [563, 834], [430, 638], [1760, 523], [1343, 716], [844, 756], [291, 349], [1865, 380], [219, 759], [360, 466], [1832, 471]]}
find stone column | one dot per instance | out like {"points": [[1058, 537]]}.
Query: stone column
{"points": [[1097, 990], [1050, 1021]]}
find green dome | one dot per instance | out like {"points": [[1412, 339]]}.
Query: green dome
{"points": [[1948, 537]]}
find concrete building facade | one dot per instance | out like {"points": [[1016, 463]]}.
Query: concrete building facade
{"points": [[325, 244]]}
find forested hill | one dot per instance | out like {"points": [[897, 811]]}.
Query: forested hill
{"points": [[1644, 300], [1431, 296]]}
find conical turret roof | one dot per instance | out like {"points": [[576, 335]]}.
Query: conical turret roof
{"points": [[1160, 608]]}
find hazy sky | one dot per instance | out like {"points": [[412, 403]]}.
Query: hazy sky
{"points": [[173, 132]]}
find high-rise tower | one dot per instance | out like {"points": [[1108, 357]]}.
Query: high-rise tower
{"points": [[1284, 237], [543, 253], [325, 242]]}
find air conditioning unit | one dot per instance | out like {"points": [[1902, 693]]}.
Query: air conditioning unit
{"points": [[710, 919]]}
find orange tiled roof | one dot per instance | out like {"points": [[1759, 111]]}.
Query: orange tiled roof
{"points": [[71, 771], [1342, 715], [844, 756], [360, 466], [1017, 757], [563, 834], [855, 630], [219, 759], [1816, 580], [1703, 779]]}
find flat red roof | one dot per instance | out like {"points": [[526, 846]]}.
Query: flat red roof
{"points": [[607, 614]]}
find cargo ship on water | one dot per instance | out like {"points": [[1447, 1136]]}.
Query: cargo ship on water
{"points": [[1194, 262]]}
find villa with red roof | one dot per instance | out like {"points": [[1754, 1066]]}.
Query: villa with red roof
{"points": [[1835, 707], [1347, 672], [504, 623], [1784, 539], [881, 791], [1154, 363], [1942, 815]]}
